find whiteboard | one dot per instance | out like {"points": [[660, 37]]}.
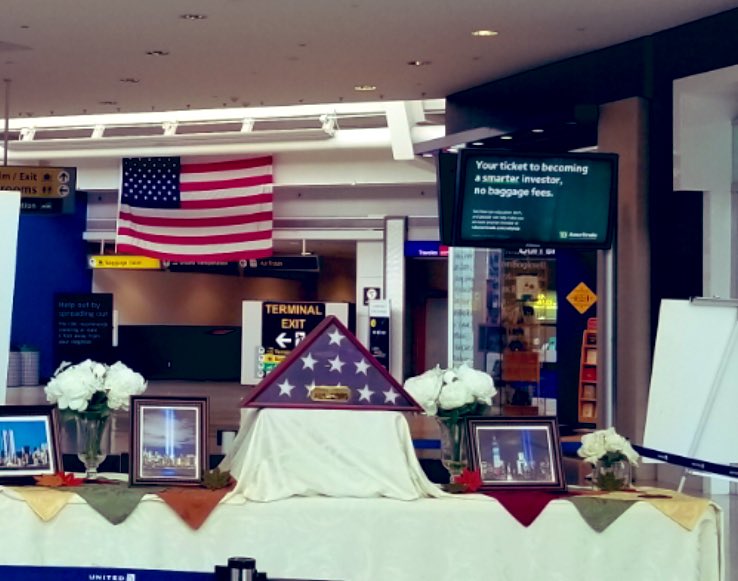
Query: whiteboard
{"points": [[693, 395], [9, 212]]}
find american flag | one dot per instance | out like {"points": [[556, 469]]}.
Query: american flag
{"points": [[331, 356], [196, 212]]}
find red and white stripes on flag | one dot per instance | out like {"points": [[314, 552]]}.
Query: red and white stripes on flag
{"points": [[196, 211]]}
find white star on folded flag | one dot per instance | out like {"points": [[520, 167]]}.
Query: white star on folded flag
{"points": [[285, 388], [391, 396], [336, 364], [365, 394], [361, 366], [308, 362]]}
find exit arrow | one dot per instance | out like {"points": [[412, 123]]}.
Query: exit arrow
{"points": [[283, 340]]}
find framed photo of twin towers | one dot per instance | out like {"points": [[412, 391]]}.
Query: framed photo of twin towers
{"points": [[168, 440]]}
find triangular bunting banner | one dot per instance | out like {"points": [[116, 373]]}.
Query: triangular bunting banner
{"points": [[526, 505], [600, 513], [331, 369]]}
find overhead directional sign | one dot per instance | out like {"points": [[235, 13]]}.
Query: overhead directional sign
{"points": [[38, 181]]}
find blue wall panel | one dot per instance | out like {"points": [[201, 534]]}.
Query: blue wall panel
{"points": [[52, 258]]}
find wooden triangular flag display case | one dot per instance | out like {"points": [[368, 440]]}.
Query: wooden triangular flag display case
{"points": [[331, 369]]}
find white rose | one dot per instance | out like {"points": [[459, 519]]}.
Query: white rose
{"points": [[121, 383], [424, 389], [593, 447], [480, 384], [454, 395], [73, 387]]}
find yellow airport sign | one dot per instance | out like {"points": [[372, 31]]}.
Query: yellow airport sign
{"points": [[38, 181], [581, 298], [125, 262]]}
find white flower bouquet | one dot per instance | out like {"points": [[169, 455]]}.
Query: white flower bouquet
{"points": [[93, 389], [452, 393], [608, 447]]}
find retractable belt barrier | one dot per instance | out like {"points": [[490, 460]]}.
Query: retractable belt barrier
{"points": [[689, 463]]}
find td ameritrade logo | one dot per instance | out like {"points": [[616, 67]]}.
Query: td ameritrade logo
{"points": [[111, 577]]}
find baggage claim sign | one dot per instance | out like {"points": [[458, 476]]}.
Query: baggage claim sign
{"points": [[283, 327]]}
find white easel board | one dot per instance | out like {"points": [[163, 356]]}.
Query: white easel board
{"points": [[693, 396], [9, 216]]}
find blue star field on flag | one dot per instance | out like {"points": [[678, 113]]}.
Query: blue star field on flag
{"points": [[330, 359], [151, 182]]}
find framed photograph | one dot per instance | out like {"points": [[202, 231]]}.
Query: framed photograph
{"points": [[516, 453], [29, 441], [168, 440]]}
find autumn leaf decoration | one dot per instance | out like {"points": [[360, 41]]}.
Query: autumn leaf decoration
{"points": [[58, 479], [215, 479]]}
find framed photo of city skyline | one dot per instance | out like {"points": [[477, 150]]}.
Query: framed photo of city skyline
{"points": [[29, 441], [514, 453], [168, 440]]}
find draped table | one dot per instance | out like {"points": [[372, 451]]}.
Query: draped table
{"points": [[391, 534]]}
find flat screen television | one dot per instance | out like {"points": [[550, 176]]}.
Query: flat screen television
{"points": [[505, 199], [446, 168]]}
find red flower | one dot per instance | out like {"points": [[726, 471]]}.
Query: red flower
{"points": [[471, 480]]}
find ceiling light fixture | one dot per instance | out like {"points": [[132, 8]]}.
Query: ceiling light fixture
{"points": [[537, 130], [157, 52], [418, 63], [193, 16], [484, 32], [365, 88], [477, 143], [506, 137]]}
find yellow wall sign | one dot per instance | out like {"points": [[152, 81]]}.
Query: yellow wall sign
{"points": [[125, 262], [581, 298], [38, 181]]}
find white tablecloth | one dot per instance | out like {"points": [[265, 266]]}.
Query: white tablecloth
{"points": [[340, 495], [375, 539]]}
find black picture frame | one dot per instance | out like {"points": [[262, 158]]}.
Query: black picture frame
{"points": [[168, 439], [29, 442], [516, 453]]}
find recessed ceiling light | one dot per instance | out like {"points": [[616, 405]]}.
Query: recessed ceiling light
{"points": [[485, 32], [365, 88], [506, 137], [130, 80], [193, 16], [537, 130], [157, 52], [477, 143], [418, 63]]}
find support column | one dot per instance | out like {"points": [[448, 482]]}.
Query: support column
{"points": [[395, 232], [369, 274], [623, 130]]}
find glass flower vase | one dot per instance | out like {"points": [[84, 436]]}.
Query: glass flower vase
{"points": [[92, 441], [453, 446], [611, 476]]}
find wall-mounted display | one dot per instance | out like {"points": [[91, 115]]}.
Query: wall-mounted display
{"points": [[505, 199]]}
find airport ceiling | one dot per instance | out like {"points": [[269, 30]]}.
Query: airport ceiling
{"points": [[76, 57]]}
